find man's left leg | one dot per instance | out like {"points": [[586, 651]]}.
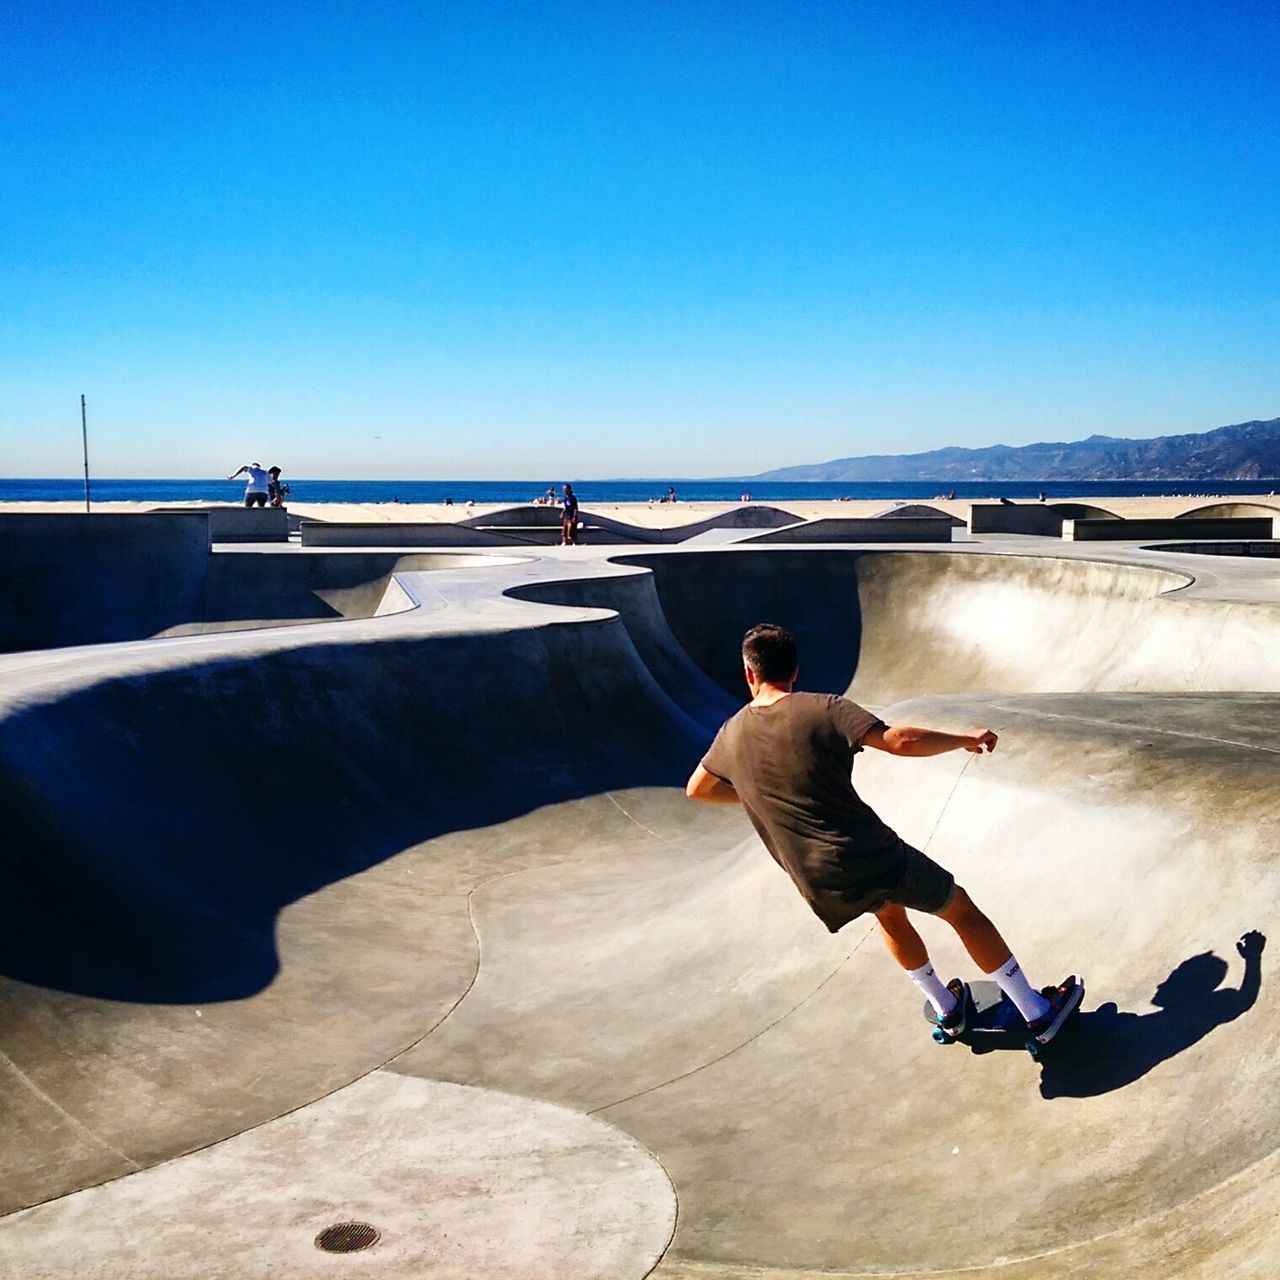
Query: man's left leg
{"points": [[991, 953]]}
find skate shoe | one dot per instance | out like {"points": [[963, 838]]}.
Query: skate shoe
{"points": [[1063, 1000], [953, 1024]]}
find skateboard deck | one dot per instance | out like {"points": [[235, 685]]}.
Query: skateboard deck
{"points": [[994, 1022]]}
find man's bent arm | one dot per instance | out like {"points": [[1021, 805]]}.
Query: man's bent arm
{"points": [[907, 740], [703, 785]]}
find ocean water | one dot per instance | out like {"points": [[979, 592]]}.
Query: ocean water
{"points": [[606, 491]]}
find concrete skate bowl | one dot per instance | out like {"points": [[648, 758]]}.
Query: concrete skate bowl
{"points": [[77, 580], [478, 903]]}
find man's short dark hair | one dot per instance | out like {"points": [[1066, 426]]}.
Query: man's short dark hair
{"points": [[770, 652]]}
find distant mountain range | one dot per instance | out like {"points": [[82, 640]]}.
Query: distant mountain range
{"points": [[1245, 451]]}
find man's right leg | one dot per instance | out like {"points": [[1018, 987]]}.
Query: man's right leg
{"points": [[907, 947]]}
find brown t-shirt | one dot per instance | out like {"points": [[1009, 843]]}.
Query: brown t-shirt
{"points": [[791, 764]]}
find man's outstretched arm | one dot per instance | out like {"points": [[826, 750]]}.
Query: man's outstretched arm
{"points": [[703, 785], [907, 740]]}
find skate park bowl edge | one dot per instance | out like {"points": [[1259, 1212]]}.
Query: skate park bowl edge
{"points": [[407, 920]]}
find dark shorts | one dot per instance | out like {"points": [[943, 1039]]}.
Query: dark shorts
{"points": [[255, 499], [923, 886]]}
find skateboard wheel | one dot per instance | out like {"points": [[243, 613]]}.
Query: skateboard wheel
{"points": [[1033, 1048]]}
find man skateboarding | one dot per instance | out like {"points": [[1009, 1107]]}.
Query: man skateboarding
{"points": [[787, 758]]}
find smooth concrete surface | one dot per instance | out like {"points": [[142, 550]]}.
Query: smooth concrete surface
{"points": [[1185, 526], [451, 1177], [362, 920]]}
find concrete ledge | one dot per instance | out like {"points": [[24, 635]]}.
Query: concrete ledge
{"points": [[426, 534], [1267, 549], [365, 534], [538, 535], [861, 529], [238, 524], [1233, 527], [1030, 517], [248, 524]]}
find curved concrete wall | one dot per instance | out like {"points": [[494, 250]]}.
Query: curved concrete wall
{"points": [[80, 580], [711, 598], [1034, 624]]}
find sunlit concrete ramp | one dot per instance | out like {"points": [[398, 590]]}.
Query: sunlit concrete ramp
{"points": [[405, 920]]}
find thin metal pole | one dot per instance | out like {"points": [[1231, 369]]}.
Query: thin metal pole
{"points": [[84, 439]]}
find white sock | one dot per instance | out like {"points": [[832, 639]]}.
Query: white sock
{"points": [[1013, 982], [934, 989]]}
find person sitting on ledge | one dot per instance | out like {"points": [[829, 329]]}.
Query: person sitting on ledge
{"points": [[787, 758]]}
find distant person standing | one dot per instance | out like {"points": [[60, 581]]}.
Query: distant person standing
{"points": [[258, 489], [275, 489], [569, 518]]}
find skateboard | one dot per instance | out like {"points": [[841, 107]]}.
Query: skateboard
{"points": [[993, 1022]]}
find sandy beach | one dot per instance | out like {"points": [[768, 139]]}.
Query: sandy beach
{"points": [[656, 515]]}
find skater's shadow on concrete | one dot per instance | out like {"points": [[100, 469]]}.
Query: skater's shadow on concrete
{"points": [[1106, 1049]]}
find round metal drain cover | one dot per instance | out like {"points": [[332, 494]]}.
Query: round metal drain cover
{"points": [[348, 1237]]}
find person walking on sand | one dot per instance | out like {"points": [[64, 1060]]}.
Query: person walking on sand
{"points": [[787, 758], [258, 487], [569, 518]]}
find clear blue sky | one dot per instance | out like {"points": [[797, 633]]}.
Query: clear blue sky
{"points": [[463, 240]]}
